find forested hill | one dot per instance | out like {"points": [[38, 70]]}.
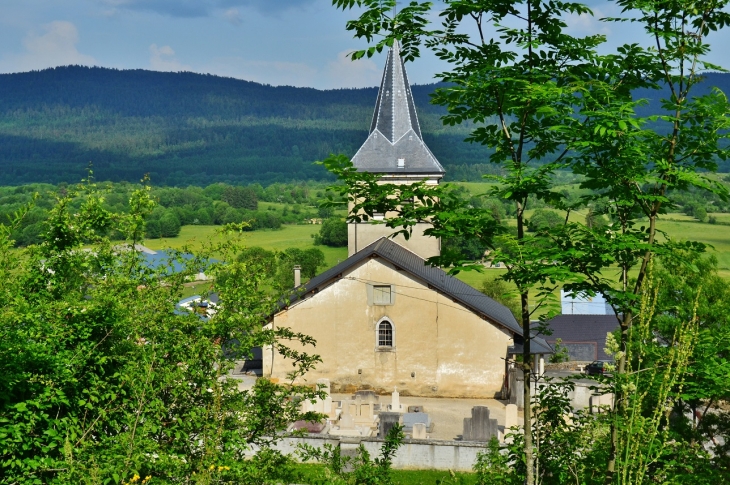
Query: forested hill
{"points": [[185, 128]]}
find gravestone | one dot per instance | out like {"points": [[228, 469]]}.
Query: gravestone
{"points": [[409, 419], [347, 420], [387, 421], [480, 427], [313, 427], [510, 417], [395, 405], [323, 406], [517, 388], [419, 431]]}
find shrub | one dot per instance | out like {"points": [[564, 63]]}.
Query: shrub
{"points": [[332, 233], [543, 219]]}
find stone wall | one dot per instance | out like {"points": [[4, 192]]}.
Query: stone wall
{"points": [[413, 454]]}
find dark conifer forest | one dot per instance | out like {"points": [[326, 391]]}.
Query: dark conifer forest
{"points": [[185, 128], [193, 129]]}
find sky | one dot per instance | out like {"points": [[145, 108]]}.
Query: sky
{"points": [[278, 42]]}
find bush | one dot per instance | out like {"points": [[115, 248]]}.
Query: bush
{"points": [[152, 229], [499, 291], [332, 233], [103, 381], [240, 197], [543, 219], [169, 225]]}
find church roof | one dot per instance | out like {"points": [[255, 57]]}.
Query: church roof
{"points": [[436, 278], [394, 132]]}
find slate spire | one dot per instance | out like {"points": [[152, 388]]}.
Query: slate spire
{"points": [[395, 144]]}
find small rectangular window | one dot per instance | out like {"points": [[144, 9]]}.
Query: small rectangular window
{"points": [[382, 295]]}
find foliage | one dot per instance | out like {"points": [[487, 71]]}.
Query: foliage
{"points": [[332, 233], [543, 219], [187, 129], [279, 266], [360, 469], [497, 290], [103, 381], [240, 197], [698, 417], [558, 103], [560, 353], [517, 85], [494, 467]]}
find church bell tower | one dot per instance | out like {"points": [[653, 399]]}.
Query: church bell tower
{"points": [[396, 150]]}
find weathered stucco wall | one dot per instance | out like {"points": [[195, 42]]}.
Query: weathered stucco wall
{"points": [[412, 454], [440, 347], [359, 236]]}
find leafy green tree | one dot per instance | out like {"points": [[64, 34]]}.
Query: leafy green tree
{"points": [[152, 229], [542, 219], [240, 197], [521, 77], [103, 380], [637, 163], [169, 225], [595, 220], [308, 259], [332, 233], [538, 92], [498, 290]]}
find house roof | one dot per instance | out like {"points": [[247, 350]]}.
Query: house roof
{"points": [[395, 132], [436, 278], [538, 345], [583, 329]]}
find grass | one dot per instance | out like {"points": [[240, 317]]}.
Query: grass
{"points": [[314, 474], [681, 227], [289, 236]]}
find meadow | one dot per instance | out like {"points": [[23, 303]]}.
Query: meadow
{"points": [[289, 236]]}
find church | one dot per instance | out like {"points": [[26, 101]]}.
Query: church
{"points": [[383, 318]]}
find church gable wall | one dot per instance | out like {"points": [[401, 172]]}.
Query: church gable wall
{"points": [[439, 348]]}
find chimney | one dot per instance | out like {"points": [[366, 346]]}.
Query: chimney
{"points": [[297, 275]]}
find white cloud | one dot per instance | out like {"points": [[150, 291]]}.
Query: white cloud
{"points": [[233, 16], [343, 72], [55, 46], [587, 24], [204, 8], [163, 59]]}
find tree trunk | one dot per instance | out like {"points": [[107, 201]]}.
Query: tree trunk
{"points": [[526, 365]]}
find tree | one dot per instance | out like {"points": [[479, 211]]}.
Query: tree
{"points": [[332, 233], [498, 290], [169, 225], [102, 378], [240, 197], [308, 259], [595, 220], [152, 229], [543, 219], [521, 79], [528, 102]]}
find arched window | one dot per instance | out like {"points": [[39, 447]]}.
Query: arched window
{"points": [[385, 334]]}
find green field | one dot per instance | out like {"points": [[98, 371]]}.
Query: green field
{"points": [[289, 236], [681, 228]]}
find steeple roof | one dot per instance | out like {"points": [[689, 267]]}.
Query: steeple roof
{"points": [[394, 132]]}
